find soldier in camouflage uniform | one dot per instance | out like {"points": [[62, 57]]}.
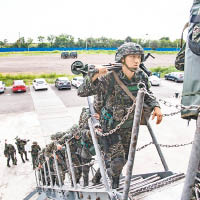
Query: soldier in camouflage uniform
{"points": [[41, 160], [87, 147], [114, 103], [21, 148], [10, 152], [35, 148]]}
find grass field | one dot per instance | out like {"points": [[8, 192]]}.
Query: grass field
{"points": [[28, 78], [50, 78]]}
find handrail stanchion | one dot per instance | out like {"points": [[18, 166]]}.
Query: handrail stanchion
{"points": [[133, 144], [49, 169], [57, 171]]}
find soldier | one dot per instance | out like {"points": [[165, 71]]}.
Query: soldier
{"points": [[35, 148], [41, 161], [10, 152], [21, 148], [114, 103], [87, 147]]}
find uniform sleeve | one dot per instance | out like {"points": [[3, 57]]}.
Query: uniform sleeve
{"points": [[89, 88]]}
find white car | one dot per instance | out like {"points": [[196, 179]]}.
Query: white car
{"points": [[40, 84], [2, 87], [77, 81], [154, 80]]}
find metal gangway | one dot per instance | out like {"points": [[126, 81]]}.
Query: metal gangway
{"points": [[131, 187]]}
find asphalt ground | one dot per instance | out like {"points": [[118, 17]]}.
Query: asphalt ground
{"points": [[54, 64], [22, 102]]}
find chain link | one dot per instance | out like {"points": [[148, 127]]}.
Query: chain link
{"points": [[164, 145], [130, 110]]}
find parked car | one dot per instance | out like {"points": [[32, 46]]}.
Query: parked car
{"points": [[64, 55], [18, 86], [156, 74], [77, 81], [40, 84], [2, 87], [63, 83], [175, 76], [154, 80], [73, 54]]}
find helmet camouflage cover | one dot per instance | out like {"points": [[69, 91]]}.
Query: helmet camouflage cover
{"points": [[128, 48], [56, 136]]}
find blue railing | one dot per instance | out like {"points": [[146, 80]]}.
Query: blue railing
{"points": [[75, 49]]}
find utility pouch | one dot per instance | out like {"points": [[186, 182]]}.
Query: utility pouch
{"points": [[107, 117]]}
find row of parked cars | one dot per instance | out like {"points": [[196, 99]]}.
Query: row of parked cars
{"points": [[65, 54], [41, 84], [65, 83]]}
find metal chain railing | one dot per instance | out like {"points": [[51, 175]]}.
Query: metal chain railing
{"points": [[130, 110], [164, 145]]}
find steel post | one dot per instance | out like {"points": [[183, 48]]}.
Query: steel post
{"points": [[50, 176], [157, 146], [45, 173], [133, 144], [99, 157], [40, 174], [57, 171], [36, 179], [71, 166], [193, 164]]}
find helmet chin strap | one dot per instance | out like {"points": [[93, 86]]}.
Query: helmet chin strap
{"points": [[130, 69]]}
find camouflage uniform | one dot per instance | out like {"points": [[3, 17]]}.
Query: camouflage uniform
{"points": [[87, 147], [113, 105], [74, 147], [21, 148], [41, 161], [10, 152], [62, 167], [35, 148]]}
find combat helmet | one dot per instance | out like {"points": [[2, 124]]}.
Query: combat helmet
{"points": [[128, 48], [56, 136]]}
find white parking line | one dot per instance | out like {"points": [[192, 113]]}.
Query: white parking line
{"points": [[52, 113]]}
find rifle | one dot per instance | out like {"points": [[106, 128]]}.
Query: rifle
{"points": [[78, 67]]}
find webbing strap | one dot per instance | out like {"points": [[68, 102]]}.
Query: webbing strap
{"points": [[126, 90], [191, 93]]}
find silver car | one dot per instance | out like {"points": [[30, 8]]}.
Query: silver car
{"points": [[175, 76]]}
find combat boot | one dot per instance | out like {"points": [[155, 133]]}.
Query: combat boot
{"points": [[22, 158], [8, 165], [115, 182], [26, 156]]}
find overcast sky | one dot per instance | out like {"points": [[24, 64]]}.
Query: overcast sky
{"points": [[148, 19]]}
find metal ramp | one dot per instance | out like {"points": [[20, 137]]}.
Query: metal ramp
{"points": [[140, 187]]}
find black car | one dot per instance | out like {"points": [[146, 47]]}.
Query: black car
{"points": [[63, 83], [65, 55], [73, 54]]}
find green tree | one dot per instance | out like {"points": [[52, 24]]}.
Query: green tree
{"points": [[51, 39], [29, 42]]}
